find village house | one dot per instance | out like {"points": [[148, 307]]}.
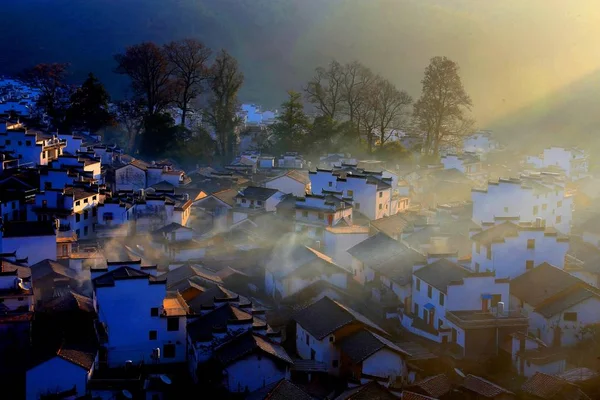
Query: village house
{"points": [[321, 327], [526, 199], [467, 163], [387, 265], [335, 160], [291, 160], [451, 304], [140, 175], [51, 279], [313, 213], [142, 322], [253, 199], [82, 162], [547, 387], [557, 304], [293, 181], [531, 355], [574, 162], [480, 142], [115, 218], [32, 148], [292, 267], [65, 374], [583, 261], [477, 388], [371, 193], [339, 239], [178, 242], [15, 194], [34, 241], [511, 248]]}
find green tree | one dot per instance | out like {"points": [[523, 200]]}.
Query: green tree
{"points": [[89, 106], [225, 81], [160, 134], [292, 124], [327, 136], [440, 112]]}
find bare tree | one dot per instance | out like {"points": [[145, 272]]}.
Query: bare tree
{"points": [[440, 112], [367, 114], [188, 63], [149, 71], [355, 86], [391, 107], [325, 90], [50, 80], [226, 79]]}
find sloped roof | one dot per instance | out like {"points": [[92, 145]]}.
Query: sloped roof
{"points": [[69, 302], [295, 258], [377, 249], [585, 252], [122, 273], [256, 193], [83, 356], [441, 273], [541, 283], [546, 386], [497, 233], [282, 390], [564, 301], [369, 391], [483, 387], [326, 316], [295, 175], [406, 395], [172, 227], [49, 267], [391, 225], [434, 386], [247, 343], [211, 295], [363, 344], [201, 329]]}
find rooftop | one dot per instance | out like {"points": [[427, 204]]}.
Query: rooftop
{"points": [[441, 273]]}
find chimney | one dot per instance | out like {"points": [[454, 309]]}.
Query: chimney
{"points": [[500, 309]]}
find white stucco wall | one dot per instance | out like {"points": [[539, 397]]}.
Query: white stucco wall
{"points": [[286, 185], [325, 350], [252, 373], [55, 375], [384, 363], [36, 248]]}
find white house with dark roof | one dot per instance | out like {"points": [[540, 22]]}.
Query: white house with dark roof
{"points": [[481, 142], [31, 147], [452, 304], [142, 322], [254, 199], [314, 213], [337, 240], [140, 175], [115, 218], [371, 193], [66, 373], [557, 304], [467, 163], [526, 199], [322, 325], [292, 267], [511, 249], [33, 240], [178, 242], [573, 161], [293, 181]]}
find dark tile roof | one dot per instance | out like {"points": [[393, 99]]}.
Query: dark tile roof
{"points": [[544, 386], [28, 229], [122, 273], [434, 386], [256, 193], [227, 196], [299, 260], [173, 226], [363, 344], [585, 252], [83, 356], [483, 387], [282, 390], [15, 268], [441, 273], [248, 343], [369, 391], [212, 295], [497, 233], [326, 316], [565, 300], [391, 225], [541, 283], [378, 249], [406, 395], [70, 301], [79, 193], [50, 268], [201, 329]]}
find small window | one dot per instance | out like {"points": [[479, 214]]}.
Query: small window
{"points": [[429, 291], [350, 193], [416, 309], [330, 184], [85, 231], [570, 316], [77, 217], [559, 204], [531, 243], [334, 363], [243, 201], [172, 324], [544, 207], [418, 284], [85, 201], [78, 203], [442, 299], [7, 142], [330, 339], [381, 206], [169, 351], [478, 247], [304, 214], [558, 219], [259, 203], [319, 232], [477, 266], [505, 209], [489, 251], [380, 194], [154, 312], [94, 197], [307, 339], [321, 216], [94, 211], [496, 298], [28, 142], [78, 232], [529, 264], [86, 214], [152, 335], [535, 210], [357, 205]]}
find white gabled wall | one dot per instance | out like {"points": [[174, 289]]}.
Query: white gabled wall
{"points": [[53, 376], [252, 373], [384, 363], [325, 350]]}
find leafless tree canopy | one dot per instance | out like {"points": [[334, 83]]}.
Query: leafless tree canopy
{"points": [[225, 82], [325, 90], [150, 72], [188, 60], [391, 106], [440, 113]]}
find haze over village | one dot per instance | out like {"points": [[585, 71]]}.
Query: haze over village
{"points": [[186, 219]]}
